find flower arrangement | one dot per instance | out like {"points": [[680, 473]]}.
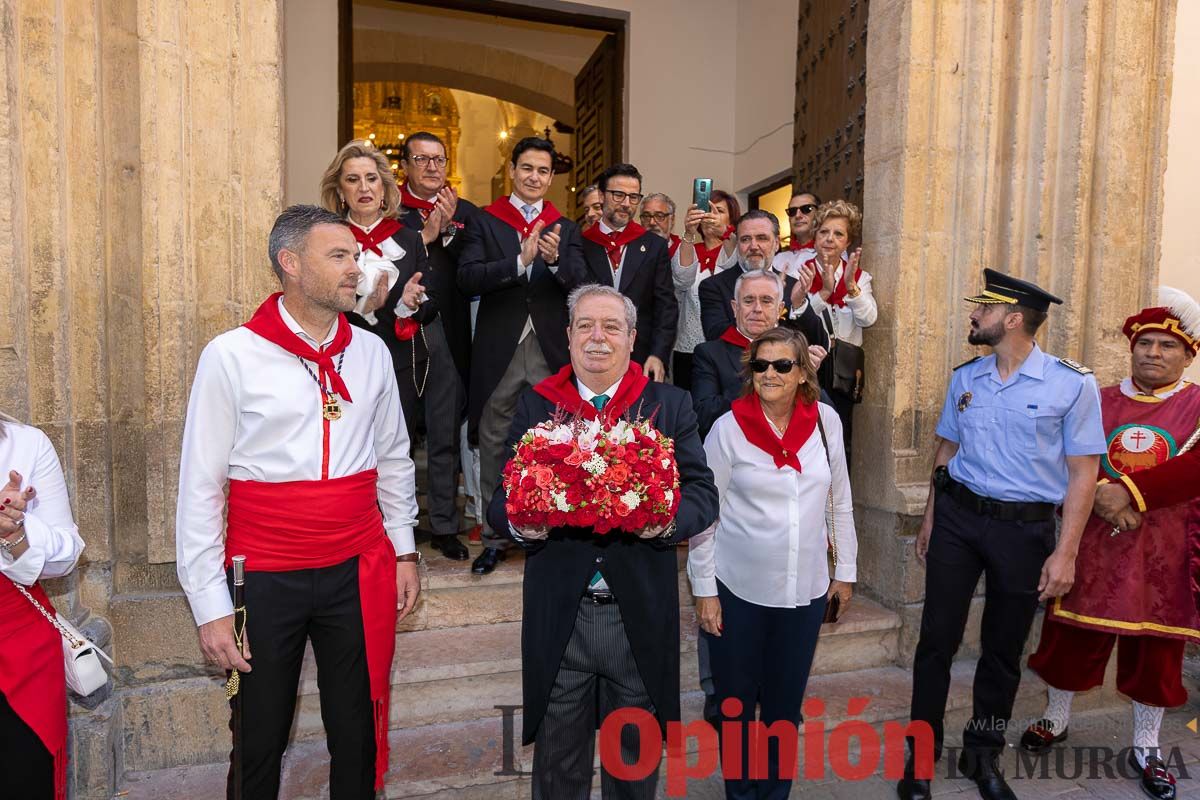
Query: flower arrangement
{"points": [[618, 476]]}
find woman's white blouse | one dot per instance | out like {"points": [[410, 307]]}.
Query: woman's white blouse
{"points": [[769, 545], [687, 286], [858, 313], [54, 543]]}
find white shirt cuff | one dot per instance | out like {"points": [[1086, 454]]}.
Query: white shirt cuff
{"points": [[798, 311], [28, 568], [211, 602], [402, 540], [404, 312], [703, 587], [846, 573]]}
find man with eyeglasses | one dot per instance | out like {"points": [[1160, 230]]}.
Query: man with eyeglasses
{"points": [[521, 257], [432, 207], [801, 247], [621, 253]]}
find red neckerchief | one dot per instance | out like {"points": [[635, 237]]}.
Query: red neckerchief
{"points": [[838, 298], [268, 323], [410, 200], [751, 418], [507, 213], [370, 241], [561, 390], [734, 336], [673, 243], [706, 257], [795, 245], [613, 243]]}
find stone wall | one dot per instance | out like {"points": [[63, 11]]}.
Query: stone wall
{"points": [[140, 153], [1029, 137]]}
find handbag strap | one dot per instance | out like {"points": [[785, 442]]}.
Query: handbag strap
{"points": [[827, 323], [66, 634], [832, 522]]}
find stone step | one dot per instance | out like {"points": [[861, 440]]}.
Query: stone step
{"points": [[461, 760]]}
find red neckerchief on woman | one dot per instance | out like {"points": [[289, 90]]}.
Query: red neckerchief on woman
{"points": [[838, 298], [268, 323], [750, 417], [410, 200], [795, 245], [706, 257], [503, 210], [734, 336], [560, 389], [370, 241], [673, 243], [613, 243]]}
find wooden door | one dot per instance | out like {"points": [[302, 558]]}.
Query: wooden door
{"points": [[831, 99], [598, 107]]}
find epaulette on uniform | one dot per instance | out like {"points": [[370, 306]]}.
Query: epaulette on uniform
{"points": [[1075, 365], [968, 361]]}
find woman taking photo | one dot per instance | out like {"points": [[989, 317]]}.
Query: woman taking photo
{"points": [[716, 251], [761, 574], [38, 540]]}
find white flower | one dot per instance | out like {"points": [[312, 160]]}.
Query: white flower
{"points": [[587, 435], [666, 463], [631, 499], [621, 433], [559, 434], [596, 464], [560, 501], [668, 497]]}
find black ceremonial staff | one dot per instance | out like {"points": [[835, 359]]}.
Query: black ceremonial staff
{"points": [[234, 683]]}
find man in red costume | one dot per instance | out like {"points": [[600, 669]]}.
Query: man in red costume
{"points": [[1132, 587], [297, 415]]}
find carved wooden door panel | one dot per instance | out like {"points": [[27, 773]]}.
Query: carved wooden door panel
{"points": [[597, 115], [831, 98]]}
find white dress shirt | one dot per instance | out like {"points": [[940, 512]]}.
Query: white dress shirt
{"points": [[255, 414], [616, 274], [523, 269], [54, 543], [769, 545], [687, 286], [858, 312], [788, 262]]}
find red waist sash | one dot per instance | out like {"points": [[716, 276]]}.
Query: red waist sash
{"points": [[312, 524], [32, 677]]}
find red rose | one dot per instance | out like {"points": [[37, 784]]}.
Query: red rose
{"points": [[559, 451], [622, 509], [617, 473], [574, 494]]}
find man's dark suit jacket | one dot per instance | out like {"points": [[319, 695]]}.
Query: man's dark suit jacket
{"points": [[488, 268], [717, 381], [644, 575], [646, 280], [441, 281], [716, 309]]}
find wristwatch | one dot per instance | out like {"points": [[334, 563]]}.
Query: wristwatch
{"points": [[668, 531], [414, 556]]}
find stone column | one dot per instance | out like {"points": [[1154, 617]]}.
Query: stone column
{"points": [[1028, 137]]}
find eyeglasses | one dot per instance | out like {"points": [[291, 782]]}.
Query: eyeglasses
{"points": [[657, 216], [621, 197], [782, 365], [807, 208], [421, 161]]}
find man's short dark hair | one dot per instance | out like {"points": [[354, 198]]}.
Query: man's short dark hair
{"points": [[816, 197], [618, 171], [533, 143], [292, 227], [422, 136], [1032, 319], [761, 213]]}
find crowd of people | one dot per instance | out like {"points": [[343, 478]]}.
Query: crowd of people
{"points": [[408, 313]]}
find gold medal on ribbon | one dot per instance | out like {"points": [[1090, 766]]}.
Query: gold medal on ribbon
{"points": [[332, 409]]}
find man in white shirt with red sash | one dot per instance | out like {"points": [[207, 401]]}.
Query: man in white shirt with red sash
{"points": [[298, 415]]}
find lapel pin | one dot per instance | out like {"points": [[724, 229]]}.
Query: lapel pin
{"points": [[643, 248]]}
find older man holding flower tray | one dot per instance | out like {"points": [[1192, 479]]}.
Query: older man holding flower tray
{"points": [[602, 609]]}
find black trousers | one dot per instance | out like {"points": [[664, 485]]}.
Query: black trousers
{"points": [[28, 765], [597, 675], [283, 611], [440, 405], [763, 657], [963, 546], [681, 370], [844, 406]]}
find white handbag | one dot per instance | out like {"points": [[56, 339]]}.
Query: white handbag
{"points": [[81, 658]]}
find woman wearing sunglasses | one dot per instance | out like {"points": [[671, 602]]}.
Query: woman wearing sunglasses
{"points": [[761, 574]]}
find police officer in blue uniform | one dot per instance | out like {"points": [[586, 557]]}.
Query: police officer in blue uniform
{"points": [[1020, 434]]}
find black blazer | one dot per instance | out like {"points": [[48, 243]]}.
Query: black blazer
{"points": [[716, 309], [414, 260], [717, 381], [646, 280], [644, 575], [441, 281], [488, 269]]}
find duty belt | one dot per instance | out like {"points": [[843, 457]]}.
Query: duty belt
{"points": [[1003, 510]]}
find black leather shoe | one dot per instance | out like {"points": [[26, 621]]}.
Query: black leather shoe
{"points": [[1040, 737], [487, 561], [910, 788], [450, 547], [982, 768], [1157, 782]]}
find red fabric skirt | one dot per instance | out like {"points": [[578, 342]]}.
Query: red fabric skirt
{"points": [[32, 676], [311, 524]]}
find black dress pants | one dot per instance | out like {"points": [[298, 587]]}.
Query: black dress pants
{"points": [[283, 611], [28, 765], [963, 546]]}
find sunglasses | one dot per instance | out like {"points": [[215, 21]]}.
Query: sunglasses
{"points": [[782, 365], [807, 208]]}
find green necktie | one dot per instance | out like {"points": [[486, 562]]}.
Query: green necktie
{"points": [[599, 401], [597, 583]]}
